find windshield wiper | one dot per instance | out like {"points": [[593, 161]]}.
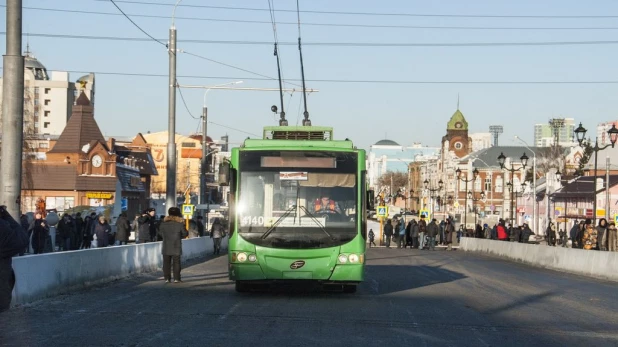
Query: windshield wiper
{"points": [[277, 222], [316, 222]]}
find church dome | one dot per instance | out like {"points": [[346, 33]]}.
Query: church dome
{"points": [[33, 64], [386, 142]]}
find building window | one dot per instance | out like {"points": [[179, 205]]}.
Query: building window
{"points": [[45, 125], [458, 145], [47, 90], [47, 102], [188, 144], [488, 184], [36, 91], [43, 145], [47, 113], [60, 203], [36, 102], [477, 184], [499, 185]]}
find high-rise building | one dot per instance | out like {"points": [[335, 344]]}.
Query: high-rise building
{"points": [[49, 97], [544, 133]]}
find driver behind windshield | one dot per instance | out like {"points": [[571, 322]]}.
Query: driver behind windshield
{"points": [[326, 205]]}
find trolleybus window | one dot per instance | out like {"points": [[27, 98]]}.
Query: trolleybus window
{"points": [[302, 208]]}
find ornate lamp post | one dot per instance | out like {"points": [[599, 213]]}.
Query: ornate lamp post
{"points": [[524, 161], [475, 174], [474, 200], [580, 133], [433, 192]]}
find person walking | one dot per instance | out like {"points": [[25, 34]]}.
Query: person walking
{"points": [[602, 235], [449, 230], [101, 231], [13, 240], [146, 223], [589, 239], [422, 230], [612, 237], [574, 232], [172, 231], [432, 231], [40, 231], [123, 229], [388, 233], [401, 240], [414, 234], [372, 237], [217, 233]]}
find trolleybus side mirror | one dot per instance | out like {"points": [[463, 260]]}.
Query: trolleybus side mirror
{"points": [[224, 174], [370, 200]]}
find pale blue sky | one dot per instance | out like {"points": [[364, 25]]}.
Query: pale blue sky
{"points": [[361, 111]]}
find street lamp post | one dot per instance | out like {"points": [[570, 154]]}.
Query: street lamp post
{"points": [[580, 133], [475, 174], [474, 200], [513, 189], [535, 216], [524, 161], [432, 191], [204, 162]]}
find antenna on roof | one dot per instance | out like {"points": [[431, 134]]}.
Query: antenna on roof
{"points": [[282, 121], [306, 121]]}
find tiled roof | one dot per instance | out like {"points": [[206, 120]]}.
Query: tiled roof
{"points": [[145, 163], [582, 187], [64, 177], [81, 129], [488, 158], [125, 175]]}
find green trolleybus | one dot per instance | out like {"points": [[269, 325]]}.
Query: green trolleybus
{"points": [[297, 209]]}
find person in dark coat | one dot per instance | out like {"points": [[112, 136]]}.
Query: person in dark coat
{"points": [[601, 235], [25, 225], [123, 229], [217, 233], [40, 232], [87, 231], [13, 240], [388, 233], [101, 231], [172, 231], [449, 231], [78, 231], [200, 226], [65, 230], [146, 221]]}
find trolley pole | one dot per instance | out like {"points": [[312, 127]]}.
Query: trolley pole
{"points": [[12, 111], [170, 187]]}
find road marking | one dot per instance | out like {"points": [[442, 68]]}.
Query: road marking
{"points": [[230, 311]]}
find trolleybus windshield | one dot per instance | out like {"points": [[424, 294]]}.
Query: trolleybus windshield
{"points": [[297, 200]]}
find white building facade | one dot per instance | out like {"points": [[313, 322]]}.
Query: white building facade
{"points": [[49, 97]]}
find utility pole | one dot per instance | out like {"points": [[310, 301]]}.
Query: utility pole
{"points": [[204, 162], [607, 186], [170, 188], [12, 111]]}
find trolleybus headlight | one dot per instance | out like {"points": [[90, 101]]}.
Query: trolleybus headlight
{"points": [[242, 257], [353, 258], [252, 258], [343, 258]]}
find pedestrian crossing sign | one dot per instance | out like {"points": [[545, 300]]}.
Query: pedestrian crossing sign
{"points": [[616, 219], [382, 211], [187, 210]]}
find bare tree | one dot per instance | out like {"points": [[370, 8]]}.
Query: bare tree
{"points": [[392, 182]]}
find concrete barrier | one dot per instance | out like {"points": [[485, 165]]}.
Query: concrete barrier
{"points": [[45, 275], [603, 265]]}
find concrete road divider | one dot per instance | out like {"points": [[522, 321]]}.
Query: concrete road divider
{"points": [[45, 275], [598, 264]]}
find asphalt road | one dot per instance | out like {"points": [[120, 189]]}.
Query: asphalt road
{"points": [[410, 297]]}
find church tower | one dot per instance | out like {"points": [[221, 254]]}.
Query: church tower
{"points": [[456, 139]]}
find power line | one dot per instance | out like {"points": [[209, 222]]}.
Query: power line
{"points": [[132, 74], [340, 44], [137, 26], [375, 26], [228, 127], [182, 97], [375, 13], [234, 67]]}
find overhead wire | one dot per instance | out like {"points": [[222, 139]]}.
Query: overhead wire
{"points": [[496, 82], [182, 97], [375, 26], [137, 26], [338, 44], [400, 14]]}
